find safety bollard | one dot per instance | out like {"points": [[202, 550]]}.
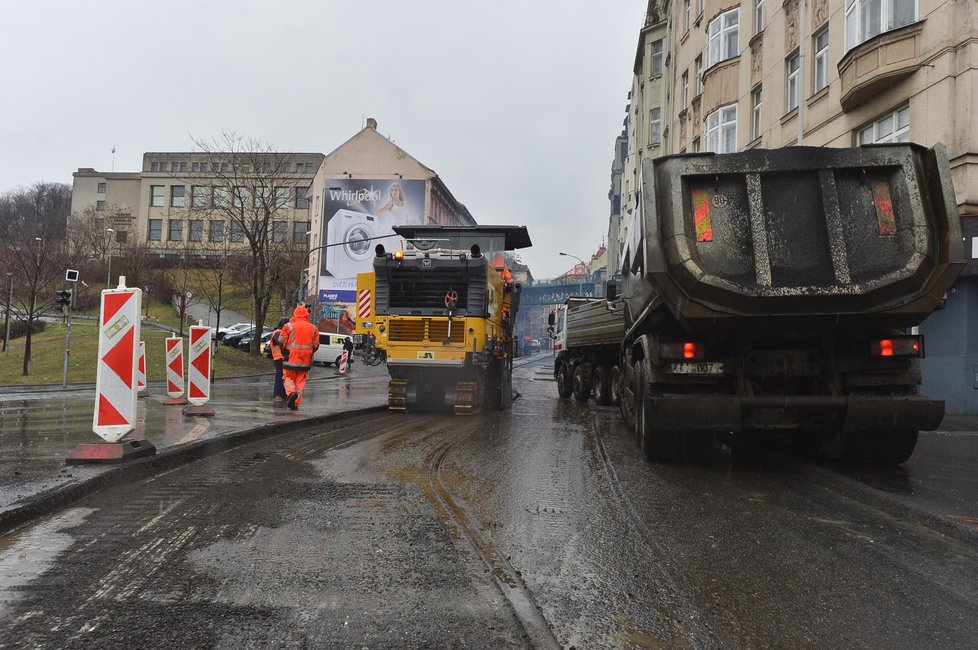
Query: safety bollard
{"points": [[141, 371], [174, 372], [199, 372]]}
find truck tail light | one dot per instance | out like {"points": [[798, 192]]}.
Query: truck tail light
{"points": [[681, 350], [897, 346]]}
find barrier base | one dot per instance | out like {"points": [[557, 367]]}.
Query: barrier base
{"points": [[201, 410], [142, 393], [109, 453], [175, 401]]}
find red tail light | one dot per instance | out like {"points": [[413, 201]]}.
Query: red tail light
{"points": [[681, 350], [898, 346]]}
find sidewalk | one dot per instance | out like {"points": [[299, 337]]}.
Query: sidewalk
{"points": [[37, 433]]}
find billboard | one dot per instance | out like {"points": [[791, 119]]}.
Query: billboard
{"points": [[356, 211]]}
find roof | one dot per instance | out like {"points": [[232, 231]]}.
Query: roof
{"points": [[516, 236]]}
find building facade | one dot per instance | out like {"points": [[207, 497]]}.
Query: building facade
{"points": [[177, 201], [729, 75]]}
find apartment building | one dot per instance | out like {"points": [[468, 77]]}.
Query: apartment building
{"points": [[177, 201], [729, 75]]}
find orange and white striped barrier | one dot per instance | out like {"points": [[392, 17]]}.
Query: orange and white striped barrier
{"points": [[141, 370], [363, 304], [199, 372], [344, 362], [115, 380], [174, 372]]}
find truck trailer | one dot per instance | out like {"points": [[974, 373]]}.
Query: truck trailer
{"points": [[780, 291]]}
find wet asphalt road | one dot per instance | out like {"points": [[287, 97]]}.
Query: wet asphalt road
{"points": [[537, 526]]}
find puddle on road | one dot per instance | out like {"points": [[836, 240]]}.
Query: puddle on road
{"points": [[27, 554]]}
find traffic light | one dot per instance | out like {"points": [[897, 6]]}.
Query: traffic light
{"points": [[64, 298]]}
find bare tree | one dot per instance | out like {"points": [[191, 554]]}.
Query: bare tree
{"points": [[34, 249], [252, 186]]}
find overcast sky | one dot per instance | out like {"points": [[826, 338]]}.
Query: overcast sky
{"points": [[514, 103]]}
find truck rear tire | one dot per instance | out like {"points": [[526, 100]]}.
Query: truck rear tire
{"points": [[666, 445], [580, 384], [563, 381], [614, 385], [600, 384]]}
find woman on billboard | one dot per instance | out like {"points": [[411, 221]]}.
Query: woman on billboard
{"points": [[397, 206]]}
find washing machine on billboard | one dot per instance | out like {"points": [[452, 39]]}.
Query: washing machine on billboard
{"points": [[357, 228]]}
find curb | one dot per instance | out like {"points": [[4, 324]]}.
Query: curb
{"points": [[159, 383], [48, 503], [883, 501]]}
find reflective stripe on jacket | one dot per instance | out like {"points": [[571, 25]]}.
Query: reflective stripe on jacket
{"points": [[276, 346], [301, 339]]}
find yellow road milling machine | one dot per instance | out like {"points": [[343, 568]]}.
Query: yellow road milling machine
{"points": [[441, 311]]}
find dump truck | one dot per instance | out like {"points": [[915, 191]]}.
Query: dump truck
{"points": [[442, 316], [587, 335], [778, 291]]}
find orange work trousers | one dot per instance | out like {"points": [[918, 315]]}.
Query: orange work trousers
{"points": [[295, 382]]}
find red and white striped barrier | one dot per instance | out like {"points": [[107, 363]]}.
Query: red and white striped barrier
{"points": [[199, 371], [174, 372], [363, 304], [115, 374], [344, 362], [141, 370]]}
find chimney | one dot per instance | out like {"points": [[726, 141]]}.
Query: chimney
{"points": [[371, 123]]}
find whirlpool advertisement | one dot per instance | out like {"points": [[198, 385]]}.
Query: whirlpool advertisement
{"points": [[356, 211]]}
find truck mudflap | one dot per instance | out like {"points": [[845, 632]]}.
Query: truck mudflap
{"points": [[727, 413]]}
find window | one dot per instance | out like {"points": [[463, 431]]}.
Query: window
{"points": [[198, 196], [101, 188], [262, 195], [301, 202], [220, 197], [820, 76], [655, 126], [281, 197], [155, 229], [868, 18], [308, 168], [755, 113], [686, 89], [299, 231], [100, 206], [280, 231], [656, 58], [686, 13], [215, 167], [240, 196], [699, 8], [156, 196], [892, 127], [154, 167], [698, 76], [175, 232], [724, 40], [216, 233], [721, 130], [696, 145], [195, 167], [177, 196], [237, 232], [174, 167], [792, 69], [758, 16], [225, 167], [196, 230]]}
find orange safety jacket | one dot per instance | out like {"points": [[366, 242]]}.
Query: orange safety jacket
{"points": [[301, 340], [276, 345]]}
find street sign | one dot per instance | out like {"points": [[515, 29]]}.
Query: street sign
{"points": [[71, 275], [115, 375]]}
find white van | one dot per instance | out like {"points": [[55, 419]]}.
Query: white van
{"points": [[330, 349]]}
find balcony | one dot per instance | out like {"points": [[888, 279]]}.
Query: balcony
{"points": [[873, 66]]}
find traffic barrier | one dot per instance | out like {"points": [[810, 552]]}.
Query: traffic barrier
{"points": [[174, 372], [363, 304], [344, 362], [199, 372], [141, 370], [115, 381]]}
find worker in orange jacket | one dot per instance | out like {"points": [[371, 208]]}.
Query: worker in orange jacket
{"points": [[278, 356], [300, 340]]}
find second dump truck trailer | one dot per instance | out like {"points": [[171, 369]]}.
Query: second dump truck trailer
{"points": [[775, 290]]}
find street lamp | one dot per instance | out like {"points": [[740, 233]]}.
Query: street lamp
{"points": [[108, 274], [580, 285]]}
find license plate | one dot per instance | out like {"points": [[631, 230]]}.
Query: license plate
{"points": [[697, 368]]}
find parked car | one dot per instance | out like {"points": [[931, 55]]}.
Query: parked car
{"points": [[221, 332], [330, 348], [233, 338], [245, 342]]}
